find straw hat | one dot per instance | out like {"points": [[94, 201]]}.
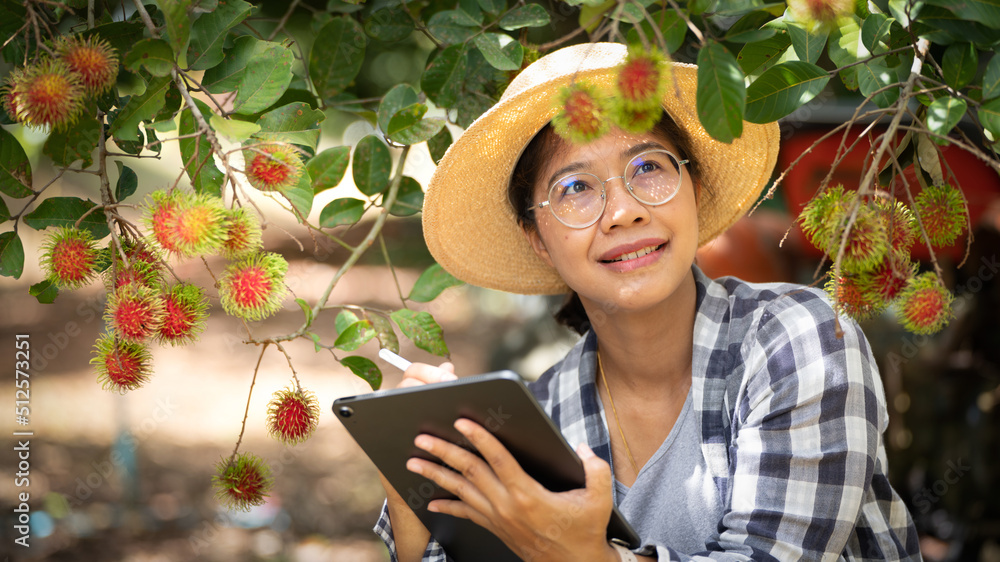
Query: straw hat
{"points": [[468, 222]]}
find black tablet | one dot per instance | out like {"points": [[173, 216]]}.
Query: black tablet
{"points": [[385, 423]]}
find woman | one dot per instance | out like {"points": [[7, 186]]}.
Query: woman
{"points": [[725, 420]]}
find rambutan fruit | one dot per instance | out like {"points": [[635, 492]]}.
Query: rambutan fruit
{"points": [[253, 287], [7, 97], [49, 94], [93, 59], [199, 226], [185, 309], [819, 14], [636, 121], [867, 242], [641, 79], [272, 167], [243, 234], [134, 312], [898, 223], [121, 365], [850, 298], [925, 305], [292, 415], [70, 257], [941, 209], [583, 114], [144, 266], [821, 217], [242, 482], [888, 279], [161, 218]]}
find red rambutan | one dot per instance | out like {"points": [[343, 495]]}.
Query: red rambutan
{"points": [[941, 209], [93, 59], [641, 79], [848, 293], [135, 312], [70, 257], [582, 116], [199, 226], [898, 224], [7, 97], [292, 415], [889, 278], [253, 287], [48, 95], [185, 309], [121, 365], [925, 305], [272, 167], [161, 218], [242, 482]]}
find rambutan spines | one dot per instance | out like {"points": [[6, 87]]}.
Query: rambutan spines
{"points": [[199, 226], [867, 241], [185, 310], [242, 482], [70, 257], [93, 59], [7, 97], [253, 287], [641, 80], [850, 297], [888, 279], [898, 223], [292, 415], [583, 114], [243, 234], [925, 305], [48, 95], [941, 210], [135, 312], [121, 365], [821, 216], [161, 218], [636, 121], [144, 266], [272, 167]]}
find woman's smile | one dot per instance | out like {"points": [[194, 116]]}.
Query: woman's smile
{"points": [[629, 257]]}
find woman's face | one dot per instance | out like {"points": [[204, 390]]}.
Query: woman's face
{"points": [[636, 255]]}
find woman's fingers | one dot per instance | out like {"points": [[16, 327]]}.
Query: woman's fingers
{"points": [[504, 465], [422, 373], [454, 482], [597, 471]]}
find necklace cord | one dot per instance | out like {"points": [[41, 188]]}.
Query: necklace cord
{"points": [[600, 369]]}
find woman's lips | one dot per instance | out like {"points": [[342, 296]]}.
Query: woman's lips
{"points": [[624, 259]]}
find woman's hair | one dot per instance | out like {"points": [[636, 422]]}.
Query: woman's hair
{"points": [[520, 193]]}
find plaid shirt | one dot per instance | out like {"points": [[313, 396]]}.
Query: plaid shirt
{"points": [[792, 420]]}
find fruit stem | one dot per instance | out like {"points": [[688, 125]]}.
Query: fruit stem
{"points": [[246, 412]]}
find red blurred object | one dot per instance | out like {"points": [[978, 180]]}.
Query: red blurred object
{"points": [[979, 183]]}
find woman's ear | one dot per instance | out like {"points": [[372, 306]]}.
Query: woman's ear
{"points": [[537, 244]]}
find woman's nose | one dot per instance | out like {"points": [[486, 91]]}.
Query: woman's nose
{"points": [[622, 209]]}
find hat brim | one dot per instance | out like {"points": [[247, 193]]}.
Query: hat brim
{"points": [[468, 223]]}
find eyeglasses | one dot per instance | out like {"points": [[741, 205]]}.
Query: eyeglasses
{"points": [[578, 200]]}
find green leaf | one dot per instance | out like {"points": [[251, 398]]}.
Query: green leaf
{"points": [[991, 78], [301, 196], [845, 48], [782, 89], [492, 6], [372, 166], [344, 319], [498, 57], [44, 291], [407, 127], [178, 21], [758, 56], [986, 12], [155, 55], [364, 368], [438, 144], [140, 108], [196, 154], [874, 29], [127, 182], [452, 26], [340, 212], [943, 114], [421, 328], [721, 95], [409, 198], [400, 96], [265, 79], [529, 15], [336, 56], [872, 76], [4, 211], [317, 341], [77, 142], [327, 168], [11, 255], [442, 81], [296, 123], [233, 129], [989, 116], [15, 168], [808, 46], [306, 310], [431, 283], [356, 335], [959, 64], [226, 76], [384, 332], [121, 35], [210, 30], [65, 211], [750, 28], [389, 24]]}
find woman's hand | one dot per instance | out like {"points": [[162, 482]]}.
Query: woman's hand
{"points": [[422, 373], [497, 494]]}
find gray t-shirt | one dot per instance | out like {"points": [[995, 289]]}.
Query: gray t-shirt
{"points": [[673, 500]]}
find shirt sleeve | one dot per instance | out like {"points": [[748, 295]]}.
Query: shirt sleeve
{"points": [[383, 528], [806, 435]]}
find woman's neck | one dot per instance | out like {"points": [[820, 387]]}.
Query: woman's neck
{"points": [[651, 348]]}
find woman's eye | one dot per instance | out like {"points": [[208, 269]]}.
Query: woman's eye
{"points": [[574, 187]]}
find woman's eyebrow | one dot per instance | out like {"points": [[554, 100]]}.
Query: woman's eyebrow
{"points": [[628, 153]]}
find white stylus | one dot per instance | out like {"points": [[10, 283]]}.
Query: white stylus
{"points": [[393, 359]]}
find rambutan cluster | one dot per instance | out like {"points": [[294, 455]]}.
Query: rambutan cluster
{"points": [[51, 92], [585, 113], [871, 240]]}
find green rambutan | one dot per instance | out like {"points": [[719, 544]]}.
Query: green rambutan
{"points": [[821, 217], [7, 97], [121, 365], [253, 287], [850, 298], [641, 79], [898, 223], [185, 310], [48, 95], [583, 114], [242, 482], [867, 242], [636, 121], [199, 226], [925, 305], [93, 59], [292, 415], [135, 312], [941, 209], [70, 257], [272, 167], [243, 234]]}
